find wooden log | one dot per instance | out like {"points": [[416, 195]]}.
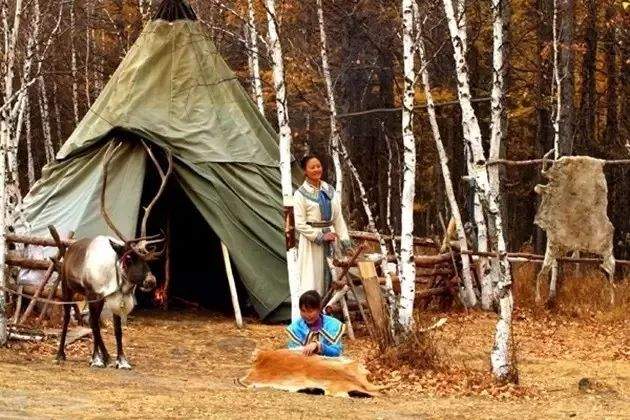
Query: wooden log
{"points": [[61, 245], [431, 292], [420, 260], [38, 292], [53, 292], [346, 317], [376, 302], [34, 240], [372, 237], [525, 257], [18, 305], [15, 259]]}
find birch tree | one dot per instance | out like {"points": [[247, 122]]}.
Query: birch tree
{"points": [[498, 120], [3, 211], [73, 65], [252, 55], [332, 107], [285, 148], [407, 265], [446, 174], [500, 355]]}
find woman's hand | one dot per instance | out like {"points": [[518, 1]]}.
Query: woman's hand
{"points": [[310, 349], [329, 237]]}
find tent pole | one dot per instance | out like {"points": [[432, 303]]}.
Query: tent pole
{"points": [[230, 277], [167, 262]]}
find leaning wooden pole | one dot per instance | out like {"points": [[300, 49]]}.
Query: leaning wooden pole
{"points": [[230, 277]]}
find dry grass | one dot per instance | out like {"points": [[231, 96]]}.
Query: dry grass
{"points": [[418, 351], [583, 293]]}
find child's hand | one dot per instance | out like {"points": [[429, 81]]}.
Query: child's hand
{"points": [[310, 349]]}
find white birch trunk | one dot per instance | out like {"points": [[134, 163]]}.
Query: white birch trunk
{"points": [[88, 45], [484, 267], [389, 287], [334, 132], [57, 116], [500, 356], [145, 10], [73, 65], [254, 62], [407, 266], [498, 124], [45, 118], [3, 210], [29, 147], [446, 174], [388, 214], [285, 146], [557, 148], [11, 112]]}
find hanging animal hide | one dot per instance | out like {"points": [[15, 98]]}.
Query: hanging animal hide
{"points": [[289, 370], [573, 212]]}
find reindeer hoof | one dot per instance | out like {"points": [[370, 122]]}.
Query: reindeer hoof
{"points": [[97, 362], [122, 363], [59, 359]]}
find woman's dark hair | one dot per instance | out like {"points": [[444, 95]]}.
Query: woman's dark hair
{"points": [[310, 300], [305, 159]]}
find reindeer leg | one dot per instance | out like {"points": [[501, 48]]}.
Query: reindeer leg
{"points": [[61, 352], [121, 360], [100, 358]]}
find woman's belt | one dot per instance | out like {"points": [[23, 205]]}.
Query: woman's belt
{"points": [[320, 224]]}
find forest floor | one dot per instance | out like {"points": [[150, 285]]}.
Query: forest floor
{"points": [[186, 363]]}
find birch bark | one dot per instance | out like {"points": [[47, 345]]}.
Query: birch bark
{"points": [[446, 174], [254, 63], [498, 120], [500, 355], [73, 65], [285, 149], [332, 107], [29, 148], [407, 265]]}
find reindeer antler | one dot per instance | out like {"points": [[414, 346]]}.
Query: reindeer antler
{"points": [[163, 176], [109, 154]]}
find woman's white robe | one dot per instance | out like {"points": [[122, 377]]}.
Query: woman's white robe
{"points": [[311, 263]]}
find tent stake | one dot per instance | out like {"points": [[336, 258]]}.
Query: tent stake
{"points": [[230, 277]]}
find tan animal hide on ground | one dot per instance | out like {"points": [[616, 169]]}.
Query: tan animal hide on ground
{"points": [[573, 210], [289, 370]]}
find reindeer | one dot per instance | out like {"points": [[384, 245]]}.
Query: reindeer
{"points": [[107, 271]]}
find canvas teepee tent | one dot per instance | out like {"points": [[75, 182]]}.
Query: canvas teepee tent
{"points": [[175, 91]]}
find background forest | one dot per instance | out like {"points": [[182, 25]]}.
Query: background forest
{"points": [[63, 53]]}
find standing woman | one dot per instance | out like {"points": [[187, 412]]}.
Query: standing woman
{"points": [[319, 223]]}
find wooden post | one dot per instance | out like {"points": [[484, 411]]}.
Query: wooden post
{"points": [[167, 261], [375, 301], [18, 305], [38, 292], [346, 316], [61, 245], [230, 278]]}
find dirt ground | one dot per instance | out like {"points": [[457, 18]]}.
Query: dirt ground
{"points": [[185, 365]]}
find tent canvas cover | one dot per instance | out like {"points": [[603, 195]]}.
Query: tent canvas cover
{"points": [[175, 91]]}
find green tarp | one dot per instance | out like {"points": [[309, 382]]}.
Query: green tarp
{"points": [[173, 89]]}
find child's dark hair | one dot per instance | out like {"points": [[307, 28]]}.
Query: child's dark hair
{"points": [[305, 159], [310, 300]]}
